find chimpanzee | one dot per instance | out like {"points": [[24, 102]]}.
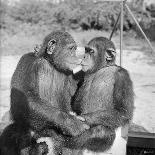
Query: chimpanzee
{"points": [[41, 90], [105, 99]]}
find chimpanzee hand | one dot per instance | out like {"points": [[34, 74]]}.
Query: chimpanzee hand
{"points": [[76, 127], [77, 116]]}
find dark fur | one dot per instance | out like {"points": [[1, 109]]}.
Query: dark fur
{"points": [[41, 89], [105, 100]]}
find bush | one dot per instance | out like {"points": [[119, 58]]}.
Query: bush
{"points": [[41, 16]]}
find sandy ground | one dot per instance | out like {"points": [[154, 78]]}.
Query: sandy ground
{"points": [[143, 76]]}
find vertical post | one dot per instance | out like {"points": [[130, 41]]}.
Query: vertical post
{"points": [[115, 26], [121, 31]]}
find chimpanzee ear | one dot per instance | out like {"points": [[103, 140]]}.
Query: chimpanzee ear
{"points": [[38, 50], [110, 54], [51, 46]]}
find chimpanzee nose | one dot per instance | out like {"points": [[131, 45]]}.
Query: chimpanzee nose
{"points": [[80, 52]]}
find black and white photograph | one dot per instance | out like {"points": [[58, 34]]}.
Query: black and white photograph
{"points": [[77, 77]]}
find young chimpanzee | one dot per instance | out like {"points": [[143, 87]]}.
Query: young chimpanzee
{"points": [[41, 90], [105, 99]]}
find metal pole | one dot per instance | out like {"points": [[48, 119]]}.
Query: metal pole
{"points": [[121, 32], [139, 27], [115, 26]]}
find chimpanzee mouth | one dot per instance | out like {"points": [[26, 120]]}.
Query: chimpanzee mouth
{"points": [[77, 62], [109, 58], [84, 65]]}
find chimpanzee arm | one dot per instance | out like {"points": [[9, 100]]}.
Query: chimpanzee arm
{"points": [[123, 96], [50, 83], [30, 85], [42, 111], [106, 118], [123, 103]]}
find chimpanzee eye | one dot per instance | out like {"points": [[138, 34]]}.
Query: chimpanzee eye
{"points": [[89, 50], [92, 51], [111, 52]]}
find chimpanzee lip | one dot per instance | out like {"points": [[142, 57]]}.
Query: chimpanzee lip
{"points": [[84, 65]]}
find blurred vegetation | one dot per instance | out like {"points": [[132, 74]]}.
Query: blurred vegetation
{"points": [[36, 18], [68, 14]]}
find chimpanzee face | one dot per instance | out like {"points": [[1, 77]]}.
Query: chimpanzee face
{"points": [[99, 53], [65, 56], [88, 62], [61, 51]]}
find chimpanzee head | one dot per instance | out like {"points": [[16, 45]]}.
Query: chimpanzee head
{"points": [[99, 52], [59, 48]]}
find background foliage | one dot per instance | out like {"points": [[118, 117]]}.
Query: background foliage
{"points": [[39, 16], [25, 22]]}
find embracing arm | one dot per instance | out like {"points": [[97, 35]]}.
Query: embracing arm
{"points": [[55, 117], [123, 104], [28, 105], [48, 80]]}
